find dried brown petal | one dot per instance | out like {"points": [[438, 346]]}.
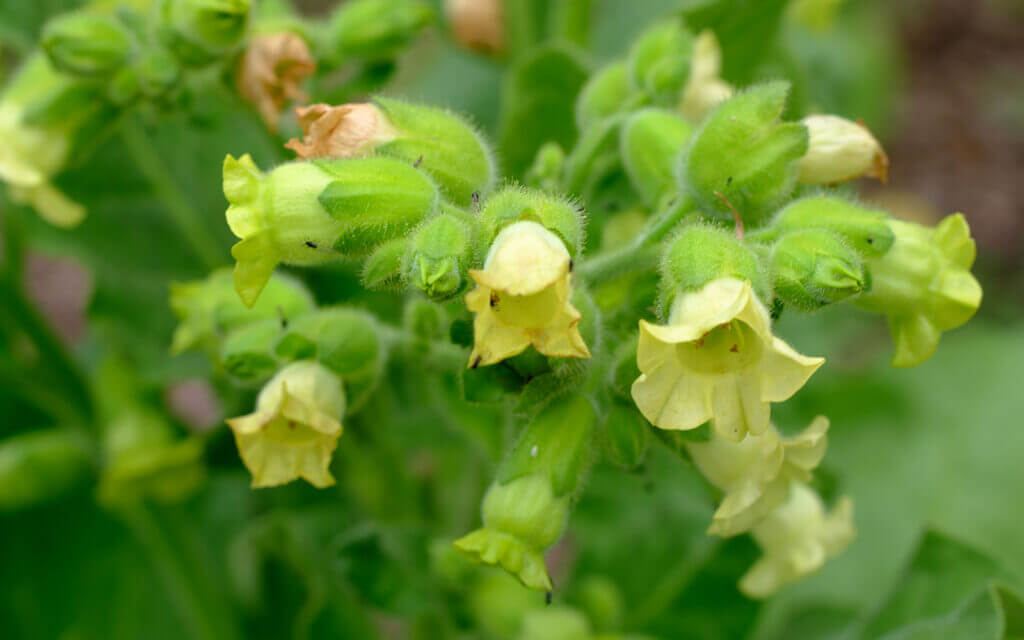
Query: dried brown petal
{"points": [[339, 132], [477, 24], [272, 70]]}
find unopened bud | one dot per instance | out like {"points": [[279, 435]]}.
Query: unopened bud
{"points": [[546, 172], [924, 285], [209, 309], [308, 213], [423, 319], [295, 428], [271, 72], [555, 623], [383, 268], [247, 352], [40, 465], [652, 142], [514, 204], [376, 29], [705, 89], [866, 230], [811, 269], [840, 150], [201, 31], [85, 44], [742, 160], [659, 61], [440, 254], [478, 25], [526, 509], [700, 254], [604, 94]]}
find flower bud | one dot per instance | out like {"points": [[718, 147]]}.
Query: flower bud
{"points": [[813, 268], [199, 32], [652, 142], [659, 61], [743, 158], [755, 473], [271, 72], [85, 44], [924, 285], [523, 297], [440, 254], [309, 213], [247, 352], [514, 204], [546, 171], [555, 623], [423, 319], [795, 539], [526, 509], [705, 88], [603, 95], [343, 340], [38, 466], [840, 150], [295, 428], [208, 309], [716, 360], [478, 25], [383, 269], [865, 230], [155, 73], [376, 29]]}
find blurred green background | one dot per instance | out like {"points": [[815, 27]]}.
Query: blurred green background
{"points": [[939, 447]]}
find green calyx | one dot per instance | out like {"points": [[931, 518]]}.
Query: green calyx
{"points": [[924, 285], [376, 29], [547, 169], [199, 32], [440, 253], [742, 160], [87, 45], [444, 146], [247, 352], [865, 230], [651, 142], [813, 268], [514, 204], [701, 253], [659, 61], [603, 95]]}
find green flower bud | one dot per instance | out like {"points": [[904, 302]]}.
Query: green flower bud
{"points": [[309, 213], [343, 340], [423, 319], [743, 157], [924, 285], [546, 172], [555, 623], [443, 145], [659, 61], [604, 94], [440, 255], [601, 598], [208, 309], [699, 254], [199, 32], [85, 44], [651, 143], [625, 434], [813, 268], [157, 72], [866, 230], [145, 461], [376, 29], [38, 466], [383, 269], [526, 509], [247, 352], [514, 204]]}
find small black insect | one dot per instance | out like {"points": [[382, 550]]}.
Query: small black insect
{"points": [[572, 263], [476, 363], [311, 245], [547, 598], [418, 162], [494, 300], [476, 197], [871, 240], [728, 181]]}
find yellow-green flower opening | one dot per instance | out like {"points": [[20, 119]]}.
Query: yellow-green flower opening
{"points": [[705, 89], [521, 519], [840, 150], [295, 428], [755, 473], [310, 213], [34, 152], [523, 296], [923, 284], [795, 539], [716, 360]]}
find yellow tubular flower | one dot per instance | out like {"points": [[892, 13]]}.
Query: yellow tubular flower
{"points": [[295, 428], [755, 473], [796, 539], [523, 298], [716, 360]]}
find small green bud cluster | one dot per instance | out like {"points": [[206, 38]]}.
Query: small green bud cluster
{"points": [[375, 29]]}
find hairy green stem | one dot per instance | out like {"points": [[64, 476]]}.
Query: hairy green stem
{"points": [[181, 210]]}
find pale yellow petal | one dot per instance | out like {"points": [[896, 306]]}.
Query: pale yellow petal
{"points": [[784, 371], [494, 341], [669, 399]]}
